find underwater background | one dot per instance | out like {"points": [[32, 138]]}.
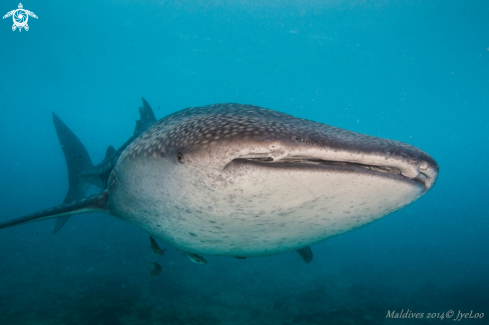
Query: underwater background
{"points": [[413, 71]]}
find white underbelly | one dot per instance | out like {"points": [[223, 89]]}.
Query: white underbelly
{"points": [[253, 212]]}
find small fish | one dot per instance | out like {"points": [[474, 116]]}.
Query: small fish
{"points": [[155, 248], [195, 258], [156, 271]]}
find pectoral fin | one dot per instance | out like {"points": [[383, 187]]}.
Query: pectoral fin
{"points": [[306, 254]]}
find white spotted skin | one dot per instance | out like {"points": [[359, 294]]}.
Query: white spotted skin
{"points": [[193, 180]]}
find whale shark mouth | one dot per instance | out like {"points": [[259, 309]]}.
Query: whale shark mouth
{"points": [[340, 166]]}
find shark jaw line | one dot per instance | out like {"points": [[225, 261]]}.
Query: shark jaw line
{"points": [[402, 170]]}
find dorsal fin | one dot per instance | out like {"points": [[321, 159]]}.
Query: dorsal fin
{"points": [[110, 151], [306, 254], [94, 203], [147, 118]]}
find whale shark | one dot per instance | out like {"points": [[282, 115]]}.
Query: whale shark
{"points": [[241, 180]]}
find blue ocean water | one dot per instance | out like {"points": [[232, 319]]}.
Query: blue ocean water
{"points": [[413, 71]]}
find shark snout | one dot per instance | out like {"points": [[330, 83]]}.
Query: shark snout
{"points": [[428, 173], [411, 162]]}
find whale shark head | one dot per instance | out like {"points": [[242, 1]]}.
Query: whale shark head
{"points": [[242, 180]]}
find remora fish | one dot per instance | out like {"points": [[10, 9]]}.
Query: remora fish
{"points": [[156, 271], [241, 180], [155, 248], [195, 258]]}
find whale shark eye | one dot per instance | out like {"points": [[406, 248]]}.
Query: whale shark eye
{"points": [[180, 157]]}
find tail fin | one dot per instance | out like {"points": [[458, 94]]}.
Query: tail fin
{"points": [[95, 203], [77, 160]]}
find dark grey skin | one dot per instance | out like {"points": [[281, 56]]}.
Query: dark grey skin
{"points": [[245, 181]]}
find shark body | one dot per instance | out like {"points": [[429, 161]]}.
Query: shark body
{"points": [[245, 181]]}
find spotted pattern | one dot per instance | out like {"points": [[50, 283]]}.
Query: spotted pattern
{"points": [[208, 125]]}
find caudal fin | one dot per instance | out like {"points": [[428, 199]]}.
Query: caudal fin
{"points": [[77, 161], [94, 203]]}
